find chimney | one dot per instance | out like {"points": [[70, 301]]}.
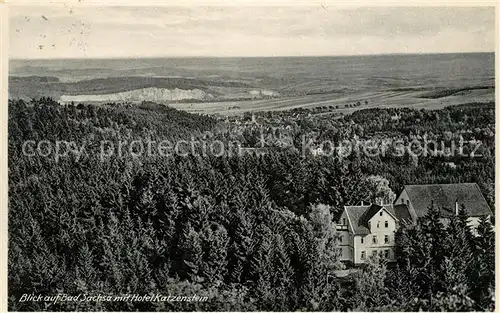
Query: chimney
{"points": [[456, 208]]}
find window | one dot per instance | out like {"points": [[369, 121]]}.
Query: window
{"points": [[386, 238], [344, 221], [408, 202], [378, 224], [341, 238], [381, 213], [362, 239], [386, 253], [374, 253], [386, 224], [374, 240], [402, 201], [363, 255]]}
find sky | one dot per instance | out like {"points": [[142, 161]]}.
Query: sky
{"points": [[83, 31]]}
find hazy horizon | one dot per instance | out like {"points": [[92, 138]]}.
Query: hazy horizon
{"points": [[248, 57]]}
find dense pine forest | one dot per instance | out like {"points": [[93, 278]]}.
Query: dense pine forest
{"points": [[250, 232]]}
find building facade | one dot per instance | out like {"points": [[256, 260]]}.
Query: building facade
{"points": [[367, 230]]}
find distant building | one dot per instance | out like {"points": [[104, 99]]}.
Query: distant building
{"points": [[451, 165], [316, 151], [366, 230], [253, 151], [253, 121], [323, 150], [395, 117]]}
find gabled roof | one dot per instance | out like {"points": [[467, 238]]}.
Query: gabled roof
{"points": [[359, 216], [445, 196], [354, 215], [374, 209]]}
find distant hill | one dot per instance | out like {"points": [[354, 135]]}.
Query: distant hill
{"points": [[27, 87]]}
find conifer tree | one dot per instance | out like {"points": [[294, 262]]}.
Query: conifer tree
{"points": [[434, 242], [282, 274], [483, 273], [192, 254], [261, 268], [402, 286], [215, 242], [458, 257], [240, 247], [463, 220]]}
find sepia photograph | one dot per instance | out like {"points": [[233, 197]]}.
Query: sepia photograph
{"points": [[250, 157]]}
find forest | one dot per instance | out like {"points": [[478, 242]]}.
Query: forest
{"points": [[249, 232]]}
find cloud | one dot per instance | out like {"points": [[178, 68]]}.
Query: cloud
{"points": [[97, 31]]}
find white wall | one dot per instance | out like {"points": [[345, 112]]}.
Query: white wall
{"points": [[377, 223], [368, 246]]}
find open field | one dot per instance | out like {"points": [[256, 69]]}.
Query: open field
{"points": [[376, 99], [232, 86]]}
